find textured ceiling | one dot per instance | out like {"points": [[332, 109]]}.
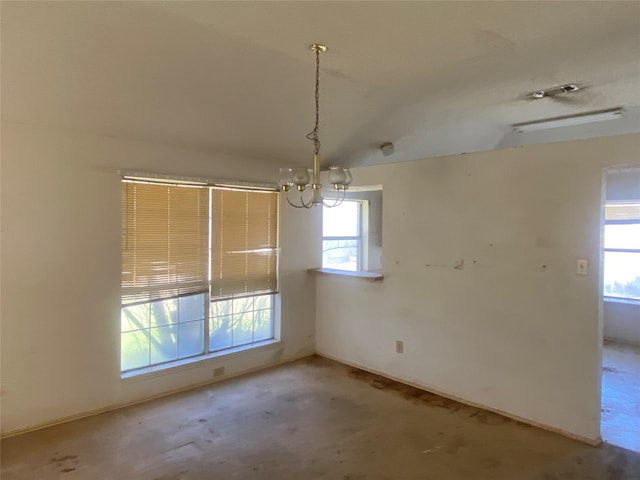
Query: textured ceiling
{"points": [[237, 78]]}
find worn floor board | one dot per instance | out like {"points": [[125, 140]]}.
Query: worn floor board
{"points": [[621, 395]]}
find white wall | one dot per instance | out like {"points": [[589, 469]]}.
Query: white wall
{"points": [[60, 297], [622, 322], [479, 258]]}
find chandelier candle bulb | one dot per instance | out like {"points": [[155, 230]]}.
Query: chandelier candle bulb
{"points": [[336, 176], [300, 177], [286, 179], [347, 178]]}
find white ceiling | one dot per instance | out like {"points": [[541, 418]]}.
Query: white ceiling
{"points": [[237, 78]]}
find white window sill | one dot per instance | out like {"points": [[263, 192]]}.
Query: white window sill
{"points": [[195, 362], [377, 276], [628, 301]]}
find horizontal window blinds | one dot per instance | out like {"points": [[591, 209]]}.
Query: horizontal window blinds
{"points": [[165, 234], [623, 212], [244, 242], [623, 184]]}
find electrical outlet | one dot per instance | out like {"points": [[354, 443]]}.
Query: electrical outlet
{"points": [[399, 346], [218, 371]]}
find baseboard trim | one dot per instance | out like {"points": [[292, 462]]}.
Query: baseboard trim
{"points": [[111, 408], [465, 401], [470, 403]]}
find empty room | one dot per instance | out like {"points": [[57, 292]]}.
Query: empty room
{"points": [[320, 240]]}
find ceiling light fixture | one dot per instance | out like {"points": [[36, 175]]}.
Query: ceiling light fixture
{"points": [[300, 178], [568, 121], [553, 91]]}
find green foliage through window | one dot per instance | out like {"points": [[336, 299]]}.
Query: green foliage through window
{"points": [[167, 330]]}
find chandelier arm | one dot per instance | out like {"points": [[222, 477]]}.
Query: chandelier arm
{"points": [[338, 200], [286, 195], [306, 205], [303, 204]]}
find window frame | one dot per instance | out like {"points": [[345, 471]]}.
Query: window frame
{"points": [[361, 237], [605, 250], [209, 299], [207, 352]]}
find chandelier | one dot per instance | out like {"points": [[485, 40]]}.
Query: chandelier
{"points": [[297, 181]]}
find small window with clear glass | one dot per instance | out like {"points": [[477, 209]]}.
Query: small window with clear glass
{"points": [[622, 250], [342, 236]]}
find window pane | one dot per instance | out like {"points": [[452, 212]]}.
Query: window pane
{"points": [[242, 328], [622, 236], [263, 301], [341, 254], [241, 305], [191, 307], [190, 338], [134, 350], [220, 333], [164, 312], [222, 307], [163, 343], [134, 318], [341, 221], [263, 326], [622, 274]]}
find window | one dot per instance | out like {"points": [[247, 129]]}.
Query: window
{"points": [[199, 270], [622, 250], [342, 236]]}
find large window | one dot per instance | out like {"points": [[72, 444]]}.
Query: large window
{"points": [[199, 270], [342, 236], [622, 250]]}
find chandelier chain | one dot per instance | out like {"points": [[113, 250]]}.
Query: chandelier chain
{"points": [[313, 135]]}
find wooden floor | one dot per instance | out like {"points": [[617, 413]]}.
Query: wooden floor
{"points": [[311, 419], [621, 395]]}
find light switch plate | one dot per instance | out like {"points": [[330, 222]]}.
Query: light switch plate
{"points": [[582, 267]]}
